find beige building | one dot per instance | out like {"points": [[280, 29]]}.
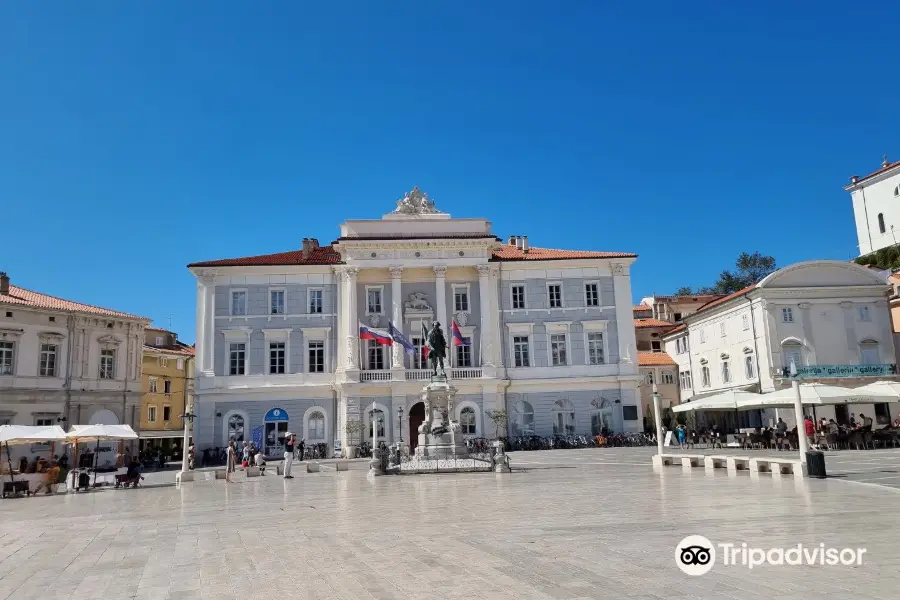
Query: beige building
{"points": [[167, 384], [656, 367], [675, 308]]}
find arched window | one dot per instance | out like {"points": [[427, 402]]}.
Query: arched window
{"points": [[792, 352], [896, 191], [868, 353], [881, 227], [379, 416], [563, 418], [523, 418], [467, 420], [316, 426], [236, 428]]}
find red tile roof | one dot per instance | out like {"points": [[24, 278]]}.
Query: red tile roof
{"points": [[182, 350], [327, 255], [22, 297], [655, 359], [511, 253], [724, 299], [642, 308], [641, 323], [884, 168], [322, 255], [678, 329]]}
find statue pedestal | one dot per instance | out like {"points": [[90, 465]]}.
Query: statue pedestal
{"points": [[439, 435]]}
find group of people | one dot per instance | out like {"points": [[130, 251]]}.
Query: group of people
{"points": [[250, 455]]}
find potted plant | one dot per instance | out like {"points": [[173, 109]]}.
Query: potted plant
{"points": [[353, 429]]}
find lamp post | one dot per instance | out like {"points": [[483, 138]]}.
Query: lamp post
{"points": [[658, 421], [802, 442], [186, 474], [400, 414]]}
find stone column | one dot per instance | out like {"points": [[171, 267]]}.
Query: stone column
{"points": [[210, 328], [201, 322], [624, 318], [352, 318], [397, 315], [440, 300], [340, 334], [484, 289]]}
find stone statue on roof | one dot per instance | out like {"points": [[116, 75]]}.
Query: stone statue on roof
{"points": [[416, 202]]}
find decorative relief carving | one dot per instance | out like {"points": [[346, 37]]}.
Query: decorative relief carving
{"points": [[374, 320], [396, 272], [416, 202], [484, 270], [417, 302], [462, 318], [439, 270], [618, 269]]}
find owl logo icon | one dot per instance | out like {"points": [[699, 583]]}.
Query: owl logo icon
{"points": [[695, 555]]}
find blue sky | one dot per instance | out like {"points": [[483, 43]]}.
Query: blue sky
{"points": [[137, 137]]}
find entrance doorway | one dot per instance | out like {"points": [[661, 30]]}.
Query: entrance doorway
{"points": [[275, 438], [416, 418], [842, 415]]}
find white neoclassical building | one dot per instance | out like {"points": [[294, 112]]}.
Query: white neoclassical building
{"points": [[823, 313], [876, 207], [550, 333], [66, 363]]}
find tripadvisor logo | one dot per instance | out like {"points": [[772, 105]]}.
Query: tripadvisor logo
{"points": [[696, 555]]}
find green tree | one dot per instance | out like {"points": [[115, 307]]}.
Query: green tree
{"points": [[684, 290], [749, 269]]}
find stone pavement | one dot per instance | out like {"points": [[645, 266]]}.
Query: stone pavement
{"points": [[603, 525]]}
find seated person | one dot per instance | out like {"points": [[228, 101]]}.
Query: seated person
{"points": [[260, 462], [134, 470], [50, 478]]}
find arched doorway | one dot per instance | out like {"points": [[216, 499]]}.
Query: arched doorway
{"points": [[416, 418]]}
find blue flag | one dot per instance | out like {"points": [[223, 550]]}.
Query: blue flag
{"points": [[397, 336]]}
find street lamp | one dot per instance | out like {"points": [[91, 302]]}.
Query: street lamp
{"points": [[400, 414], [185, 474], [656, 417]]}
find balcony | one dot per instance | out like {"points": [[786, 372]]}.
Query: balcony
{"points": [[419, 374], [817, 372]]}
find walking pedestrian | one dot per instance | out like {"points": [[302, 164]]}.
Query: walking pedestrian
{"points": [[300, 452], [230, 459], [288, 454]]}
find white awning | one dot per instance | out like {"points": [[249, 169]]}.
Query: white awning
{"points": [[94, 433], [30, 434], [726, 400], [817, 394], [161, 434]]}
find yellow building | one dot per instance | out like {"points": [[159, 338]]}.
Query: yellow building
{"points": [[167, 384]]}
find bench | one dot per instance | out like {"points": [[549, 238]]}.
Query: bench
{"points": [[335, 467], [252, 471], [312, 467], [737, 463], [220, 473], [778, 466], [687, 461]]}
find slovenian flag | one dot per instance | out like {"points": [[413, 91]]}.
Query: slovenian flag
{"points": [[380, 337], [397, 336], [458, 339], [424, 341]]}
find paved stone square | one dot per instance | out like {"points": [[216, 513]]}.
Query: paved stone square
{"points": [[595, 523]]}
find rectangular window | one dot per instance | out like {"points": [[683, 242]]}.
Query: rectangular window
{"points": [[554, 294], [48, 360], [704, 376], [595, 348], [518, 296], [648, 378], [376, 356], [722, 329], [629, 413], [749, 367], [418, 356], [276, 358], [520, 351], [167, 412], [592, 294], [6, 357], [159, 340], [464, 355], [787, 315], [107, 363], [702, 336], [315, 301], [656, 346], [685, 380], [151, 414], [558, 349], [668, 377], [317, 357], [863, 312], [153, 386], [745, 322], [163, 362], [373, 301], [237, 354], [167, 386], [726, 372], [276, 302], [460, 298], [179, 364], [238, 302], [677, 317], [868, 354], [44, 421]]}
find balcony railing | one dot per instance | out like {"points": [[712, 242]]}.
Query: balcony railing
{"points": [[374, 376], [421, 374], [811, 372]]}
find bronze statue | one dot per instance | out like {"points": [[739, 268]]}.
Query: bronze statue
{"points": [[437, 349]]}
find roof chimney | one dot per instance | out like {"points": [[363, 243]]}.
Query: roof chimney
{"points": [[4, 283], [512, 241], [884, 161], [309, 244], [854, 179], [525, 244], [519, 242]]}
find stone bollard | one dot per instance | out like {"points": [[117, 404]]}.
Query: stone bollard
{"points": [[376, 467], [499, 458]]}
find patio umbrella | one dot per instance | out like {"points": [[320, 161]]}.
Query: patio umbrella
{"points": [[727, 400], [814, 394], [879, 389], [98, 433], [27, 434]]}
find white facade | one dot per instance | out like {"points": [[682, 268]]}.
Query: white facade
{"points": [[876, 208], [50, 363], [816, 312], [529, 353]]}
